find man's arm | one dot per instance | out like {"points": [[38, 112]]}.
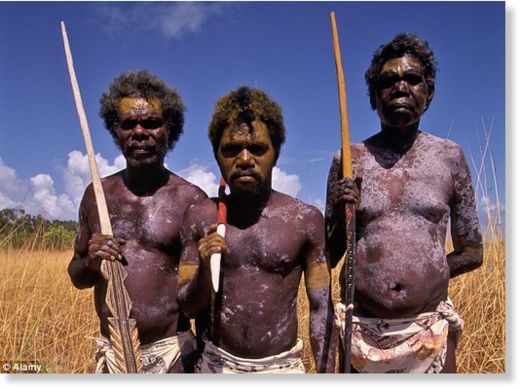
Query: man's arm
{"points": [[318, 287], [90, 249], [465, 229], [194, 291], [80, 274], [339, 191]]}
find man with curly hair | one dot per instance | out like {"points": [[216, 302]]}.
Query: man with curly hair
{"points": [[146, 203], [408, 185], [271, 239]]}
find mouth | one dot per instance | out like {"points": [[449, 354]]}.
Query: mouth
{"points": [[245, 179], [401, 104], [139, 150]]}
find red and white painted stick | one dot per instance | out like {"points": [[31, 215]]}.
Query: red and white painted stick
{"points": [[221, 229]]}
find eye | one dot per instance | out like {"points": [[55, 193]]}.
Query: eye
{"points": [[413, 78], [230, 150], [128, 124], [258, 149], [152, 123], [387, 81]]}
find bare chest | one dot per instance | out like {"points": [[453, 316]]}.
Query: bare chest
{"points": [[418, 184], [152, 221], [274, 245]]}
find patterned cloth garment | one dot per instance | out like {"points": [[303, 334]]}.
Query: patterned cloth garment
{"points": [[216, 360], [405, 345], [158, 357]]}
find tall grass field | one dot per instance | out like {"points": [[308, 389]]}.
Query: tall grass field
{"points": [[44, 319]]}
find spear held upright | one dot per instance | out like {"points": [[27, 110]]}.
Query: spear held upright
{"points": [[221, 229], [123, 329], [350, 210]]}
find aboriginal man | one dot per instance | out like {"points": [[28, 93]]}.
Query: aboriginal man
{"points": [[271, 239], [409, 185], [146, 203]]}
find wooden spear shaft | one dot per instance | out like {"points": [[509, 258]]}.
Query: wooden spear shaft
{"points": [[350, 211], [123, 330]]}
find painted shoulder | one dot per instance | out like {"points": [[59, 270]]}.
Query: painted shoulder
{"points": [[448, 149], [296, 205], [186, 187]]}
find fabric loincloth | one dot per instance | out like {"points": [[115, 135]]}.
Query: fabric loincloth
{"points": [[158, 357], [405, 345], [215, 360]]}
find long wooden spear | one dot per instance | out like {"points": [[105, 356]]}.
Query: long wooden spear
{"points": [[123, 329], [350, 210]]}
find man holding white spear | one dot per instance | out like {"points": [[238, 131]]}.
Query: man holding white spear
{"points": [[146, 203], [413, 183], [270, 240]]}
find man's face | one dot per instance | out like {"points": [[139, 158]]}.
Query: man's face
{"points": [[246, 157], [141, 132], [402, 92]]}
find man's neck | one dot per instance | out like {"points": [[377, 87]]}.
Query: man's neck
{"points": [[245, 208], [399, 139], [145, 180]]}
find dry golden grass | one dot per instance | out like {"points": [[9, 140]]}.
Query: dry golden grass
{"points": [[43, 318]]}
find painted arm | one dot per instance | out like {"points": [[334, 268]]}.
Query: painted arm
{"points": [[340, 191], [90, 249], [465, 229], [194, 292], [318, 288]]}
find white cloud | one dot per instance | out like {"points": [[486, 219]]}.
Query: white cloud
{"points": [[38, 194], [77, 174], [12, 189], [173, 20], [201, 176], [45, 201], [320, 204], [286, 183]]}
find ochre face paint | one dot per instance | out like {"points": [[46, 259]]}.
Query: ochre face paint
{"points": [[139, 106]]}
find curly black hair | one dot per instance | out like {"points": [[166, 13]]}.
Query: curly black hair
{"points": [[144, 85], [401, 44], [244, 105]]}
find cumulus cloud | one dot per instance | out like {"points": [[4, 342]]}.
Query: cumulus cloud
{"points": [[38, 194], [319, 204], [201, 176], [285, 182], [45, 201], [173, 20], [77, 173], [12, 189]]}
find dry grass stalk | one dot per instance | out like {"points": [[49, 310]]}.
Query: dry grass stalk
{"points": [[43, 318]]}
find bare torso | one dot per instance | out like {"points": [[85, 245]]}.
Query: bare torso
{"points": [[151, 227], [254, 314], [402, 219]]}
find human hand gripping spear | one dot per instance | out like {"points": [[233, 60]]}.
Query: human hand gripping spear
{"points": [[123, 329], [350, 208], [221, 229]]}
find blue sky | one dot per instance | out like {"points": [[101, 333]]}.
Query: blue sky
{"points": [[204, 50]]}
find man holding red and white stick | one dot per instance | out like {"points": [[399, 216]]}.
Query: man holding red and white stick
{"points": [[271, 239]]}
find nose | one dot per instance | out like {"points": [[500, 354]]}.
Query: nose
{"points": [[402, 86], [245, 159], [139, 131]]}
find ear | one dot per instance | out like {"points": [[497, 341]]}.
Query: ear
{"points": [[431, 94]]}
